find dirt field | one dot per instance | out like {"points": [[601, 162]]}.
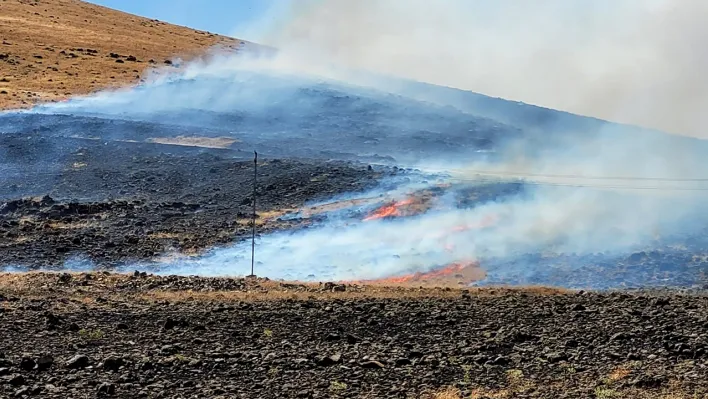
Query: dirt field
{"points": [[83, 335], [53, 49]]}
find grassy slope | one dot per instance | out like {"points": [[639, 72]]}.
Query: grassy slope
{"points": [[44, 49]]}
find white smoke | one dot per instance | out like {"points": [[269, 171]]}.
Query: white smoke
{"points": [[571, 55], [633, 61]]}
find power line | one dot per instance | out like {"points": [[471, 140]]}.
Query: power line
{"points": [[612, 187], [481, 176], [554, 176], [59, 173]]}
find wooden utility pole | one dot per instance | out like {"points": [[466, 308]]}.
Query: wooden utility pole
{"points": [[253, 217]]}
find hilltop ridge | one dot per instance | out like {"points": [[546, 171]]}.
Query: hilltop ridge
{"points": [[54, 49]]}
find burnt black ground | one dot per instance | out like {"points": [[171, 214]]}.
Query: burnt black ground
{"points": [[83, 336], [115, 202]]}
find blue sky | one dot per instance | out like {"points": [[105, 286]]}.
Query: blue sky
{"points": [[226, 17]]}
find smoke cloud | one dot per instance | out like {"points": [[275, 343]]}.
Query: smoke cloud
{"points": [[632, 61], [604, 189]]}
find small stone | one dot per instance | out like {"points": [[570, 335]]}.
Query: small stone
{"points": [[501, 361], [113, 363], [45, 362], [169, 350], [27, 363], [78, 362], [170, 324], [372, 364], [352, 339], [327, 361], [107, 388], [332, 337], [556, 357], [17, 380], [403, 362], [415, 354]]}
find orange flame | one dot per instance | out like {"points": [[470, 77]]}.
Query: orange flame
{"points": [[391, 210], [459, 273]]}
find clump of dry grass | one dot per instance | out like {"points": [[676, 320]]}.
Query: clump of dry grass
{"points": [[445, 393], [598, 393]]}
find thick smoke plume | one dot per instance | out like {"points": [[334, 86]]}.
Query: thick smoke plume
{"points": [[632, 61]]}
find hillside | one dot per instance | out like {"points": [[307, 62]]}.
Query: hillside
{"points": [[53, 49]]}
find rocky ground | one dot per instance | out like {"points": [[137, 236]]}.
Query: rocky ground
{"points": [[120, 202], [132, 336]]}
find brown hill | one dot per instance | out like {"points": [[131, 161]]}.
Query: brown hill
{"points": [[53, 49]]}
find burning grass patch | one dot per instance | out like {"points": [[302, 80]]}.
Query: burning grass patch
{"points": [[455, 275]]}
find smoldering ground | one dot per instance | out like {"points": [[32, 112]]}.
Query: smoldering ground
{"points": [[630, 61], [592, 187]]}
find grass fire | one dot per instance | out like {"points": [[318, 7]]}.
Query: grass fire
{"points": [[184, 214]]}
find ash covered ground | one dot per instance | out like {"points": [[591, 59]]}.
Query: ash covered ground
{"points": [[159, 178], [356, 183]]}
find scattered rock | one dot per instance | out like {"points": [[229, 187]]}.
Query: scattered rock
{"points": [[113, 363], [78, 362], [27, 363], [400, 362], [16, 380], [327, 361], [372, 364], [45, 362], [107, 389]]}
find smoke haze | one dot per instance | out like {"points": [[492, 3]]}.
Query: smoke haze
{"points": [[632, 61], [620, 60]]}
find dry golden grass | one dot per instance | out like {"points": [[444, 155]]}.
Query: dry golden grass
{"points": [[207, 142], [599, 393], [53, 49], [20, 239], [162, 235], [619, 374], [446, 393], [35, 284], [263, 217], [79, 224]]}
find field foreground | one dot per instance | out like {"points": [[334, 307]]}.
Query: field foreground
{"points": [[131, 336]]}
